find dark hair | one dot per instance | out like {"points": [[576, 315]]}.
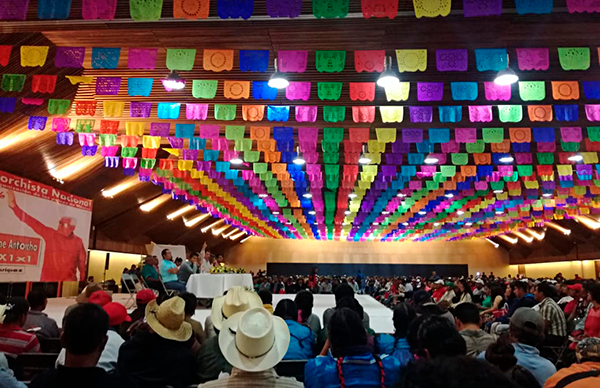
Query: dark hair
{"points": [[37, 298], [163, 253], [195, 254], [435, 336], [521, 285], [352, 304], [523, 378], [404, 314], [467, 313], [16, 308], [502, 354], [456, 372], [497, 290], [594, 290], [304, 301], [286, 309], [342, 291], [266, 296], [345, 330], [465, 284], [190, 302], [85, 329], [421, 297], [2, 299], [546, 289]]}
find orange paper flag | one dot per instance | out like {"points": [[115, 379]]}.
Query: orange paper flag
{"points": [[266, 145], [260, 133], [191, 9], [468, 170], [520, 135], [565, 90], [236, 90], [253, 112], [483, 158], [540, 112], [502, 147], [217, 60]]}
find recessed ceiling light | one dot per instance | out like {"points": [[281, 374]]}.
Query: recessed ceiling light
{"points": [[375, 223], [436, 224], [499, 212], [430, 160], [405, 223], [498, 191], [547, 195], [352, 195], [236, 160], [347, 212], [385, 212], [275, 212], [401, 195], [422, 212], [263, 195], [312, 212], [506, 159], [449, 195], [575, 158], [460, 212], [469, 224], [307, 195]]}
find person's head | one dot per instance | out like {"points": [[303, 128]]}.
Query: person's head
{"points": [[117, 314], [100, 298], [190, 303], [166, 254], [497, 290], [520, 289], [84, 334], [466, 315], [433, 274], [421, 297], [588, 349], [594, 293], [168, 319], [527, 326], [37, 300], [143, 297], [304, 301], [573, 290], [437, 284], [345, 330], [266, 296], [66, 226], [237, 299], [207, 255], [501, 354], [178, 261], [286, 309], [220, 258], [435, 336], [194, 257], [463, 286], [403, 316], [133, 267], [543, 290], [343, 291], [14, 312]]}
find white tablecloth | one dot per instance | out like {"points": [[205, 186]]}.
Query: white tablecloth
{"points": [[214, 285]]}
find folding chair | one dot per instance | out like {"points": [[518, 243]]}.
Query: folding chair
{"points": [[127, 280], [169, 293]]}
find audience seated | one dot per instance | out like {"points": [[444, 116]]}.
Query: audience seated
{"points": [[83, 297], [431, 336], [522, 299], [302, 339], [188, 268], [44, 326], [468, 323], [344, 290], [13, 339], [590, 324], [84, 337], [254, 342], [304, 301], [159, 356], [351, 362], [267, 299], [168, 272], [526, 331], [397, 345], [7, 378], [142, 298], [424, 306], [583, 374], [554, 318], [502, 355], [190, 309]]}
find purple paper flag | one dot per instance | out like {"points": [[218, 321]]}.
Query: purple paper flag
{"points": [[160, 129], [176, 142], [465, 135], [69, 57], [13, 9], [472, 8], [533, 58], [308, 135], [108, 86], [412, 135], [37, 123], [142, 58], [451, 147], [8, 104], [452, 60], [480, 114], [292, 61], [571, 134], [546, 146], [196, 111], [298, 91], [64, 138], [430, 91], [421, 114], [140, 109], [284, 8]]}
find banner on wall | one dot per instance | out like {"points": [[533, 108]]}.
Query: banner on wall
{"points": [[176, 250], [44, 233]]}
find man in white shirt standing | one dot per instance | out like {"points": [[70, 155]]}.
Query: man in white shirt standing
{"points": [[205, 265]]}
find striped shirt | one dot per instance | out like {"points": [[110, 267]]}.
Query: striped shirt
{"points": [[14, 341], [241, 379], [551, 312]]}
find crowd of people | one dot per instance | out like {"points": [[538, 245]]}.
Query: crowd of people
{"points": [[502, 332]]}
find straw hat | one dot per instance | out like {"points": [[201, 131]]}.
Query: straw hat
{"points": [[238, 299], [167, 319], [87, 292], [254, 340]]}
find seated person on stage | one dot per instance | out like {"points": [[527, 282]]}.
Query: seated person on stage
{"points": [[37, 318], [84, 338], [267, 298], [468, 323], [254, 342], [168, 271], [302, 339], [304, 301], [351, 361], [13, 339], [397, 345], [188, 268], [150, 273]]}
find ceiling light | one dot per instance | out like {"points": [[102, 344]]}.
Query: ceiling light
{"points": [[151, 205], [180, 211], [499, 212], [405, 223], [506, 159], [347, 212], [278, 80], [547, 195], [524, 237], [219, 231], [536, 235], [312, 212], [588, 222], [236, 236], [352, 195], [111, 192], [575, 158], [173, 82], [72, 169], [506, 77], [210, 226], [460, 212], [449, 195], [385, 212], [422, 212], [388, 78], [307, 195], [275, 213], [436, 224], [244, 240], [468, 224], [263, 195], [430, 160], [559, 228], [236, 160], [508, 239], [194, 221], [498, 191], [15, 138], [299, 160], [401, 195], [232, 231], [375, 223], [364, 159], [493, 243]]}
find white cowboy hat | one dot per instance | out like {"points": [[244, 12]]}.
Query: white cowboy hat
{"points": [[254, 340], [238, 299], [167, 319]]}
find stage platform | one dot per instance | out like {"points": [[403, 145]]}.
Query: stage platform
{"points": [[381, 316]]}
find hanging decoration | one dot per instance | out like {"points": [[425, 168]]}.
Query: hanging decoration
{"points": [[432, 8]]}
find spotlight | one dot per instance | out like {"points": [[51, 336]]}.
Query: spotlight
{"points": [[173, 82], [347, 212], [236, 160], [405, 223], [547, 195], [498, 191], [388, 78], [299, 160], [506, 76], [364, 159], [275, 213], [468, 224], [277, 80], [506, 159], [352, 195], [493, 243], [263, 195], [575, 158], [401, 195], [385, 212], [460, 212], [499, 212], [422, 212], [307, 195], [430, 160], [449, 195], [312, 212]]}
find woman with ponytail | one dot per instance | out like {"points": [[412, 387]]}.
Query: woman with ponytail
{"points": [[397, 345]]}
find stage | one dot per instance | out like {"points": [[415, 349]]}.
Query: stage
{"points": [[381, 316]]}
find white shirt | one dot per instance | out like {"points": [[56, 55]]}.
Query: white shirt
{"points": [[408, 287], [206, 266], [109, 356]]}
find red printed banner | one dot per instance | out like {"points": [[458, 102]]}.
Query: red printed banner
{"points": [[18, 250]]}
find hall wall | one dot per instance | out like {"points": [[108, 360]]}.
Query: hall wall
{"points": [[479, 255]]}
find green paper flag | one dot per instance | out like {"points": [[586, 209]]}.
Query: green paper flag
{"points": [[568, 146], [84, 125], [58, 107], [333, 134], [181, 59], [265, 176], [334, 114], [448, 171], [493, 135], [13, 82], [331, 157], [545, 158], [107, 140], [525, 170], [148, 10], [574, 58], [128, 152], [329, 90], [234, 132], [243, 145], [251, 156], [431, 185], [330, 61], [497, 185], [271, 183], [330, 9], [475, 148], [460, 159], [225, 112], [593, 133], [532, 90], [330, 146], [510, 113], [259, 168], [148, 163], [204, 88]]}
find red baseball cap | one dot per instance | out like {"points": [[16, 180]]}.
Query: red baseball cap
{"points": [[100, 298], [577, 287], [145, 296], [117, 313]]}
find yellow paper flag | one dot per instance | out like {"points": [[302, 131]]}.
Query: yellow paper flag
{"points": [[386, 135], [78, 79], [113, 108], [32, 56], [134, 128], [391, 114], [432, 8], [398, 91], [411, 60]]}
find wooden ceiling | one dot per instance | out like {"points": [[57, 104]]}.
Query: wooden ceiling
{"points": [[120, 219]]}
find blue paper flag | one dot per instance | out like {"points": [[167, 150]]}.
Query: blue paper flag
{"points": [[235, 9], [543, 135], [184, 130], [408, 171], [288, 157], [484, 171], [439, 135], [254, 60], [283, 133], [491, 59], [591, 89], [566, 112], [285, 146], [7, 104], [139, 86], [262, 91], [105, 57], [415, 159], [197, 143], [222, 167], [168, 110], [521, 147], [210, 155], [54, 9], [425, 146], [278, 113], [533, 6], [450, 114]]}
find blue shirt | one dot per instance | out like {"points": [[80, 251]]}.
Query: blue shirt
{"points": [[302, 340], [397, 348], [164, 267], [529, 358], [359, 371]]}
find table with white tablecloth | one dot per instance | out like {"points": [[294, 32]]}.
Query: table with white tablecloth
{"points": [[214, 285]]}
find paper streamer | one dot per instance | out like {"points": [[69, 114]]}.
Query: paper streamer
{"points": [[13, 9], [139, 86], [85, 108], [566, 112], [191, 9], [421, 114], [253, 112], [574, 58], [465, 135], [510, 113], [464, 91], [292, 61], [278, 113], [138, 109], [284, 8], [142, 58], [391, 114], [236, 90], [330, 9], [533, 58], [36, 123], [160, 129], [254, 60], [398, 91], [591, 90], [334, 114], [196, 111], [33, 56], [306, 114], [69, 57], [217, 60], [452, 60], [329, 90], [532, 90], [262, 91], [491, 59], [362, 91], [330, 61], [592, 112], [450, 114], [7, 104], [145, 10], [540, 112], [565, 90], [411, 60], [369, 60], [54, 9], [58, 107], [13, 82], [204, 88], [495, 92], [235, 9], [474, 8], [98, 9], [363, 114], [379, 8], [533, 6], [430, 91], [432, 8], [108, 86], [480, 114], [581, 6], [298, 91], [181, 59], [5, 54]]}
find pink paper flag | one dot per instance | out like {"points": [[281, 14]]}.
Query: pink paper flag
{"points": [[546, 146], [581, 6], [311, 157], [533, 58], [209, 131], [451, 147], [592, 112], [308, 135], [571, 134], [505, 170], [196, 111], [480, 114], [32, 101], [308, 147], [98, 9], [298, 91], [306, 114], [109, 151], [363, 114], [60, 124], [292, 61], [465, 135], [87, 139], [480, 185], [142, 58], [494, 92]]}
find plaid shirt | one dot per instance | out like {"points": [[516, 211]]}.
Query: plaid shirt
{"points": [[551, 312], [241, 379]]}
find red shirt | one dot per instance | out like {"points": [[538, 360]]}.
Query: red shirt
{"points": [[62, 255], [14, 341], [592, 322], [437, 294]]}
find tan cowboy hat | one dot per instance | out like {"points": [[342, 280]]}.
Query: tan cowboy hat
{"points": [[254, 340], [167, 319], [87, 292], [238, 299]]}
